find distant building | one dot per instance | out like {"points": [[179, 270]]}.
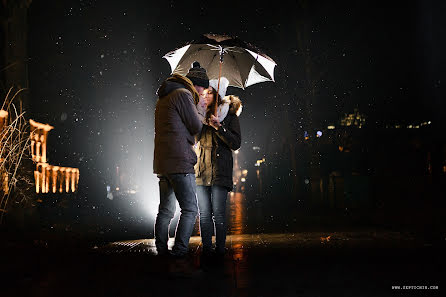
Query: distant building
{"points": [[49, 178], [355, 119], [4, 176]]}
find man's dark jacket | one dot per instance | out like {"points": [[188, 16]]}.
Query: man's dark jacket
{"points": [[176, 123]]}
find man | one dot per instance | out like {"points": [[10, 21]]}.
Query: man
{"points": [[176, 123]]}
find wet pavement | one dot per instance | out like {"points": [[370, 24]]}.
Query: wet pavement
{"points": [[364, 263], [271, 252]]}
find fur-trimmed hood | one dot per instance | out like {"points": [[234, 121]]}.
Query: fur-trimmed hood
{"points": [[231, 104], [235, 104]]}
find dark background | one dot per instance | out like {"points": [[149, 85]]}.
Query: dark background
{"points": [[94, 68]]}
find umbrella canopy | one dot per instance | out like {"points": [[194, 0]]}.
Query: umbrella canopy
{"points": [[221, 55]]}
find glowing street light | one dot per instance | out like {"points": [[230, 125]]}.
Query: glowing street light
{"points": [[257, 164]]}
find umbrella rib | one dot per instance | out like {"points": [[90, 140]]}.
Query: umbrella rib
{"points": [[242, 57], [230, 49]]}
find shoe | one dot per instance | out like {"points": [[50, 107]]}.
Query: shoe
{"points": [[206, 260], [220, 257], [163, 254], [182, 267], [219, 262], [161, 262]]}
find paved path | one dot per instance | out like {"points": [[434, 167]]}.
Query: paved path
{"points": [[293, 264]]}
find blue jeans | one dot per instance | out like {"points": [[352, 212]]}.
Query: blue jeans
{"points": [[183, 188], [212, 206]]}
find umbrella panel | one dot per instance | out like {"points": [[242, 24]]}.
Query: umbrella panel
{"points": [[236, 66]]}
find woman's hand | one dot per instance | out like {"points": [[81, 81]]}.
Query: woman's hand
{"points": [[214, 122]]}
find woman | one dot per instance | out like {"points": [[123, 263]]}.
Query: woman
{"points": [[213, 170]]}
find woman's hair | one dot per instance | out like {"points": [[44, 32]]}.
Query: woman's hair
{"points": [[211, 107]]}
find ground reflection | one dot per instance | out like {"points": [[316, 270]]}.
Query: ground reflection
{"points": [[236, 223]]}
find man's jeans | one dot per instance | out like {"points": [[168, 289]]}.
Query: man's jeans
{"points": [[183, 187], [212, 205]]}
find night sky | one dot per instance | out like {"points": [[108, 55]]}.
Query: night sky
{"points": [[95, 66]]}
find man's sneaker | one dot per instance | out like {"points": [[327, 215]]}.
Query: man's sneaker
{"points": [[182, 267], [220, 256], [162, 253]]}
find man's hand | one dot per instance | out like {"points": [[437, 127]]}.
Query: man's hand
{"points": [[202, 97], [214, 122]]}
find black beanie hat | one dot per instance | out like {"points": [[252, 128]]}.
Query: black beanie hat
{"points": [[198, 75]]}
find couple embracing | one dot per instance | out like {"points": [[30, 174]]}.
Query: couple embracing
{"points": [[193, 160]]}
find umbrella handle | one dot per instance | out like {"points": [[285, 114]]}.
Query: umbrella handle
{"points": [[218, 86]]}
